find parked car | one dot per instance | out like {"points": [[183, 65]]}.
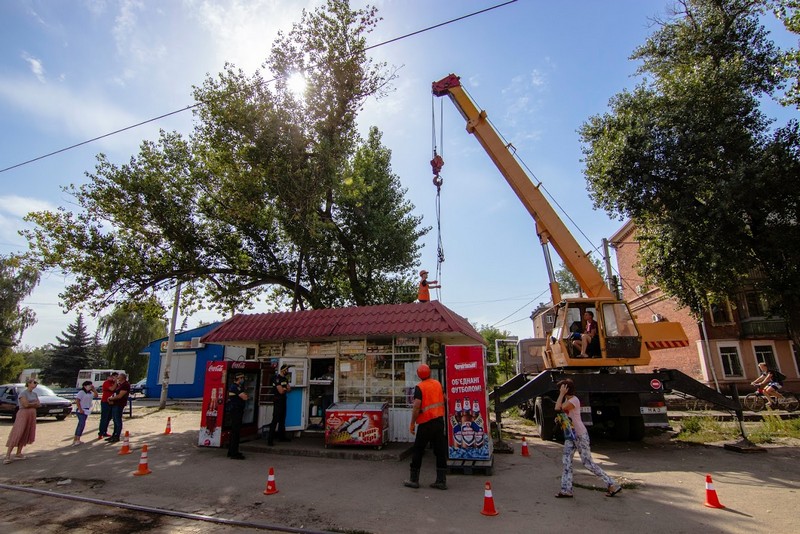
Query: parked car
{"points": [[52, 404], [140, 387]]}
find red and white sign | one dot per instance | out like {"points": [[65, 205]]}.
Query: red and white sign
{"points": [[212, 411], [465, 388], [655, 383]]}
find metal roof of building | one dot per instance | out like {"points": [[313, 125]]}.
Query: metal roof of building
{"points": [[416, 319]]}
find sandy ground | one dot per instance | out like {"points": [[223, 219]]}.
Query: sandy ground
{"points": [[664, 487]]}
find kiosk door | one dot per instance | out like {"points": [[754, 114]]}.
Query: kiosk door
{"points": [[297, 400]]}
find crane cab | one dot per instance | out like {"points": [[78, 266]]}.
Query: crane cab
{"points": [[618, 341]]}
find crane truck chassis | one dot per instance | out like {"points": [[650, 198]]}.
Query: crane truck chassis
{"points": [[613, 399]]}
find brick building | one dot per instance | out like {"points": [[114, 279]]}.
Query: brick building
{"points": [[739, 333]]}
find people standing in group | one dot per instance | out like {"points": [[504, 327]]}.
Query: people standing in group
{"points": [[117, 401], [234, 408], [24, 430], [425, 285], [280, 390], [106, 390], [568, 403], [83, 407], [427, 418]]}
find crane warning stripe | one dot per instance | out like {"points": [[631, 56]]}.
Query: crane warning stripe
{"points": [[655, 345]]}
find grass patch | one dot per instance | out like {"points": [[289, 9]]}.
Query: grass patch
{"points": [[706, 429]]}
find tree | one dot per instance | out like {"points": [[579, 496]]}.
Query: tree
{"points": [[496, 374], [566, 280], [129, 328], [272, 196], [691, 159], [17, 281], [788, 11], [71, 354]]}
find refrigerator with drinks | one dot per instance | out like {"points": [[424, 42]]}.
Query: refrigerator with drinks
{"points": [[214, 428]]}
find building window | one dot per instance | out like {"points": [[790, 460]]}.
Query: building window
{"points": [[731, 363], [764, 353], [755, 305], [720, 312]]}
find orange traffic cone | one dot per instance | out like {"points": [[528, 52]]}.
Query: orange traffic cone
{"points": [[143, 469], [169, 426], [488, 501], [711, 494], [271, 488], [126, 444], [525, 451]]}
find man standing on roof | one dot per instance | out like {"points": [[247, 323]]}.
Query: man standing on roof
{"points": [[424, 294], [428, 413]]}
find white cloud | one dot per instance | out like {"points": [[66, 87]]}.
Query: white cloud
{"points": [[81, 115], [243, 30], [36, 66], [20, 206], [12, 209]]}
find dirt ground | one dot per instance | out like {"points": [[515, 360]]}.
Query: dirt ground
{"points": [[664, 487]]}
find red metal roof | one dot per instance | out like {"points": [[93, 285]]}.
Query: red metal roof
{"points": [[417, 319]]}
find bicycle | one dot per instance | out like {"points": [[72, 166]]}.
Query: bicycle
{"points": [[758, 400]]}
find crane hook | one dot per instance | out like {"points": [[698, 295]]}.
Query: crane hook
{"points": [[436, 165]]}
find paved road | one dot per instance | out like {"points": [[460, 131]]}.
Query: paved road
{"points": [[664, 488]]}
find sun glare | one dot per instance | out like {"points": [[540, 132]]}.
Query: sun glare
{"points": [[296, 85]]}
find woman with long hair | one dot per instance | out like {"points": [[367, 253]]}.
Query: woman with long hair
{"points": [[24, 430], [578, 439]]}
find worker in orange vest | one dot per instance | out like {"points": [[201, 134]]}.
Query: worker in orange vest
{"points": [[427, 418], [424, 294]]}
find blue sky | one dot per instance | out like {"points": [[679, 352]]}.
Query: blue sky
{"points": [[72, 70]]}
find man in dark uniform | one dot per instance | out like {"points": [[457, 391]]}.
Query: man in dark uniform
{"points": [[235, 410], [280, 388], [428, 413]]}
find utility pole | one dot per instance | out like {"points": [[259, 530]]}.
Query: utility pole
{"points": [[170, 344]]}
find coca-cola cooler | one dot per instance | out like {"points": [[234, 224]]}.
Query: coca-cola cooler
{"points": [[214, 428], [363, 423]]}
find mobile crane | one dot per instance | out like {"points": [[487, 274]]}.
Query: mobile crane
{"points": [[615, 400]]}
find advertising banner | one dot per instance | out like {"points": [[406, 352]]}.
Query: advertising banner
{"points": [[467, 400], [356, 424]]}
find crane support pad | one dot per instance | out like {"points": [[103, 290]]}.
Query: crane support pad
{"points": [[663, 380]]}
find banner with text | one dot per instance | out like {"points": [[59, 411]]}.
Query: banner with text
{"points": [[467, 400]]}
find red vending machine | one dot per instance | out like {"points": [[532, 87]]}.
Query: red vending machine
{"points": [[470, 444], [214, 430]]}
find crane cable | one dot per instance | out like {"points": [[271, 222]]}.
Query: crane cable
{"points": [[436, 165]]}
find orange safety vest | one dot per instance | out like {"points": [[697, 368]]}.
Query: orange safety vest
{"points": [[424, 294], [432, 401]]}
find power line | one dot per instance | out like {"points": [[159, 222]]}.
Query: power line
{"points": [[192, 106]]}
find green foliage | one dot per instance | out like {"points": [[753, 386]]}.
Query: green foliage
{"points": [[690, 158], [706, 429], [35, 357], [129, 328], [17, 281], [788, 11], [566, 280], [71, 354], [273, 196], [496, 374]]}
